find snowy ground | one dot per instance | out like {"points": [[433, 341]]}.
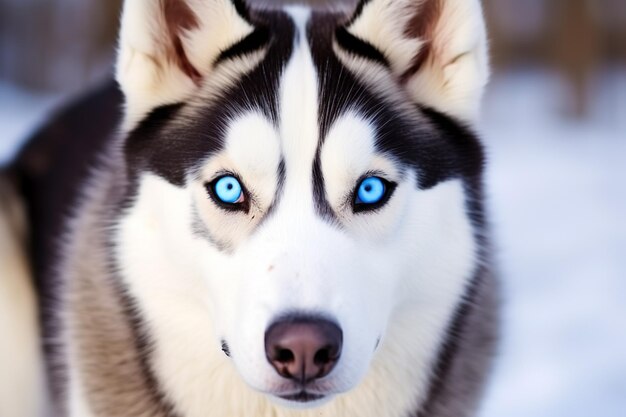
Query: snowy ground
{"points": [[558, 199]]}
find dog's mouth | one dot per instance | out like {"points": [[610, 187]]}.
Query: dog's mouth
{"points": [[303, 397]]}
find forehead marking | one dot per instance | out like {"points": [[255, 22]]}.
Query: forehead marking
{"points": [[299, 105]]}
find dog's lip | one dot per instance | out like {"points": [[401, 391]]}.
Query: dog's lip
{"points": [[302, 396]]}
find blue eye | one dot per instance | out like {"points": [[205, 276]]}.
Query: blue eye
{"points": [[228, 190], [371, 191]]}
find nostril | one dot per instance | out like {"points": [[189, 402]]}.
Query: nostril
{"points": [[323, 356], [284, 356]]}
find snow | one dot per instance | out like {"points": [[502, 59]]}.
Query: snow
{"points": [[557, 196], [558, 200]]}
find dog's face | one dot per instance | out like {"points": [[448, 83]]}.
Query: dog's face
{"points": [[302, 203]]}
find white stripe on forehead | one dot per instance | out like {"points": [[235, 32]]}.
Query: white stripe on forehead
{"points": [[299, 129]]}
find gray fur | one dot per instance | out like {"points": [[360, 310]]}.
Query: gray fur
{"points": [[458, 390], [98, 317]]}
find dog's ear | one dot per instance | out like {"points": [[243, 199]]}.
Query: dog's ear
{"points": [[167, 47], [437, 48]]}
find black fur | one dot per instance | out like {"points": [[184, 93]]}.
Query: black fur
{"points": [[358, 11], [251, 43], [434, 145], [51, 170], [176, 148], [359, 47], [242, 8]]}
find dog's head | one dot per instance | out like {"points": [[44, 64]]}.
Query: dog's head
{"points": [[304, 191]]}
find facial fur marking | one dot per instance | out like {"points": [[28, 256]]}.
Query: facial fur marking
{"points": [[242, 8], [279, 193], [357, 11], [298, 101], [323, 207], [200, 229], [299, 129], [251, 43], [359, 47], [437, 147], [179, 140]]}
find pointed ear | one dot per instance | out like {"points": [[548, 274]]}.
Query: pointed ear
{"points": [[437, 48], [167, 47]]}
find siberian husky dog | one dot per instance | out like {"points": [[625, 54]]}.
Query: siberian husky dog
{"points": [[285, 220]]}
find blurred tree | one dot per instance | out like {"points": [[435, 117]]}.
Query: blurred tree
{"points": [[577, 38], [576, 48], [63, 45]]}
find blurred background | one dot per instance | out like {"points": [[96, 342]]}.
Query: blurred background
{"points": [[555, 128]]}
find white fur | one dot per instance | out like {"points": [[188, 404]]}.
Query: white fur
{"points": [[396, 274], [299, 107], [21, 376], [253, 153], [147, 75], [347, 155], [452, 81], [188, 313], [383, 23]]}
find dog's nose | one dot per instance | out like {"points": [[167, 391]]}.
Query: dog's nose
{"points": [[303, 349]]}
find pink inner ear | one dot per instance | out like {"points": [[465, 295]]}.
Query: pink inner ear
{"points": [[179, 18], [422, 26]]}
